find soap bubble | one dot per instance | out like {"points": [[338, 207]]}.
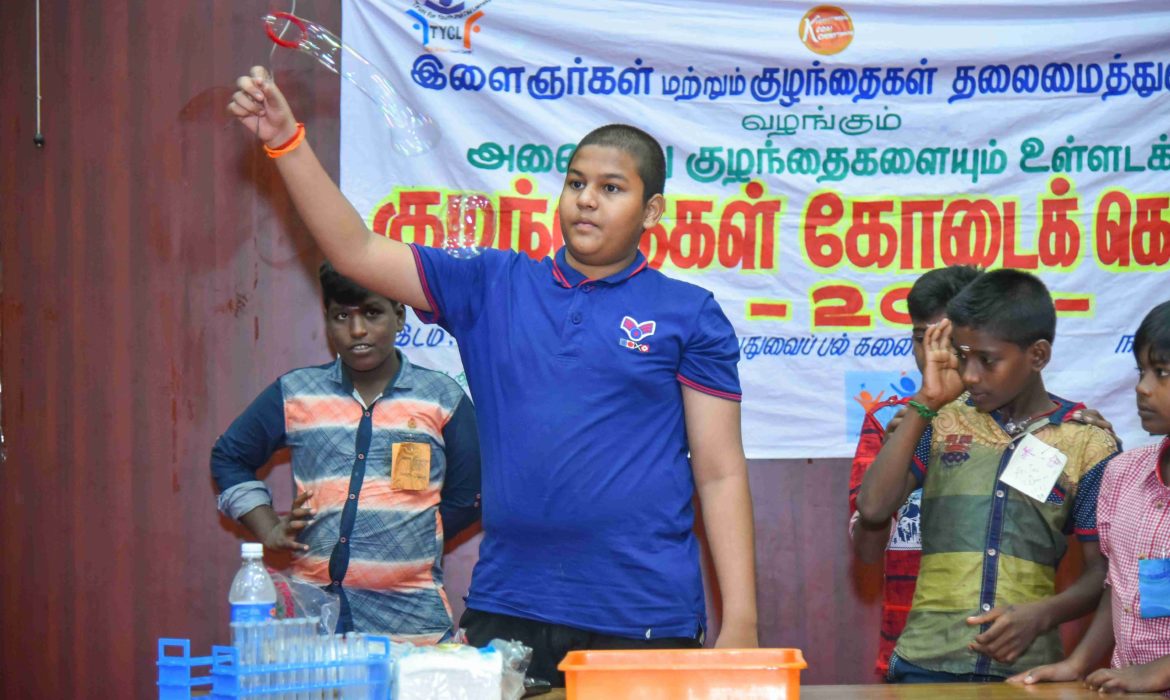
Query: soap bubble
{"points": [[412, 133], [463, 239]]}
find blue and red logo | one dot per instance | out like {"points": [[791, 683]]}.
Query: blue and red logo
{"points": [[444, 25], [636, 332]]}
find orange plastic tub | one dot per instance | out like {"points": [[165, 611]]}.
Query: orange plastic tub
{"points": [[683, 674]]}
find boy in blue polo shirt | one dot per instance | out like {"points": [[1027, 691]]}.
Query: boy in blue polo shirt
{"points": [[594, 377]]}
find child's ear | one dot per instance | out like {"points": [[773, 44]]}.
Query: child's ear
{"points": [[1039, 353], [653, 211]]}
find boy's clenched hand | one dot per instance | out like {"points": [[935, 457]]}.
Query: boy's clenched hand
{"points": [[261, 107]]}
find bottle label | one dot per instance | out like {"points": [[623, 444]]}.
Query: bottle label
{"points": [[251, 612]]}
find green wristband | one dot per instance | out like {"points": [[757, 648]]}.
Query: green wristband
{"points": [[923, 410]]}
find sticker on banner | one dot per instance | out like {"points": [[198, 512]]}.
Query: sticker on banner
{"points": [[1034, 468], [826, 30]]}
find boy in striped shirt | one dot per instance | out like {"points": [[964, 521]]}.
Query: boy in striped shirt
{"points": [[385, 456], [985, 606]]}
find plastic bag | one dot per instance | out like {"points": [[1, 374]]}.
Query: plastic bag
{"points": [[515, 660], [461, 672], [296, 598]]}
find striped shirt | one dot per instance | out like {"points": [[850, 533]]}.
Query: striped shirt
{"points": [[378, 546], [987, 545], [1134, 525]]}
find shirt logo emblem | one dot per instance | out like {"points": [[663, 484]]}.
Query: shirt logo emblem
{"points": [[958, 450], [635, 332]]}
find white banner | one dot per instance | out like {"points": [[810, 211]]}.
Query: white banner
{"points": [[820, 158]]}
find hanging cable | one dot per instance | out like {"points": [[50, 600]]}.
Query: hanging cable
{"points": [[39, 137]]}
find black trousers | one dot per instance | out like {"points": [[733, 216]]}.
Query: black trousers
{"points": [[551, 642]]}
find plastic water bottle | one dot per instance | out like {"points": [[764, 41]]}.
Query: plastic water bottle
{"points": [[253, 597]]}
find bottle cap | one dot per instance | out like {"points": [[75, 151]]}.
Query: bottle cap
{"points": [[252, 549]]}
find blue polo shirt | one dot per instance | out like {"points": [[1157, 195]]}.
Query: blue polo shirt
{"points": [[587, 484]]}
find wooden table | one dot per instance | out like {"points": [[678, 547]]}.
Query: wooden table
{"points": [[949, 691], [956, 691]]}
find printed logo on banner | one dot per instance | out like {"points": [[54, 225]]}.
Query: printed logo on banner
{"points": [[864, 390], [826, 30], [446, 25], [636, 331]]}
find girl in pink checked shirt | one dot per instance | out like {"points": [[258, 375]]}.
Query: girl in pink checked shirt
{"points": [[1133, 519]]}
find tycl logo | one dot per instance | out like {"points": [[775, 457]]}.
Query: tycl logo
{"points": [[444, 25], [634, 332]]}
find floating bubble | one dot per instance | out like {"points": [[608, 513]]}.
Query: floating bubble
{"points": [[412, 133], [463, 238]]}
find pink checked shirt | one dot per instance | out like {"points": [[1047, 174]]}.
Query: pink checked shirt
{"points": [[1133, 519]]}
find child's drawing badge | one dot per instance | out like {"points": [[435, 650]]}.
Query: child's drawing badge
{"points": [[1034, 468]]}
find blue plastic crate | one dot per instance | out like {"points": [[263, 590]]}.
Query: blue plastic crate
{"points": [[228, 679], [175, 672]]}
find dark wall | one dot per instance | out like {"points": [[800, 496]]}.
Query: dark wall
{"points": [[155, 279]]}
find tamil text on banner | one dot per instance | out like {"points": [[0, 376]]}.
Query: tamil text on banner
{"points": [[819, 159]]}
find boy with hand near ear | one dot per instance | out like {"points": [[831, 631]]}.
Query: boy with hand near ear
{"points": [[1010, 475]]}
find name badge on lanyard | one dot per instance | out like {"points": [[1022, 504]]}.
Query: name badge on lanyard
{"points": [[1034, 468], [1154, 587]]}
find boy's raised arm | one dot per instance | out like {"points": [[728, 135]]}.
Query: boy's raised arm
{"points": [[378, 263], [720, 471], [889, 481]]}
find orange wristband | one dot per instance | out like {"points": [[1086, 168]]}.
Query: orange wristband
{"points": [[288, 146]]}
